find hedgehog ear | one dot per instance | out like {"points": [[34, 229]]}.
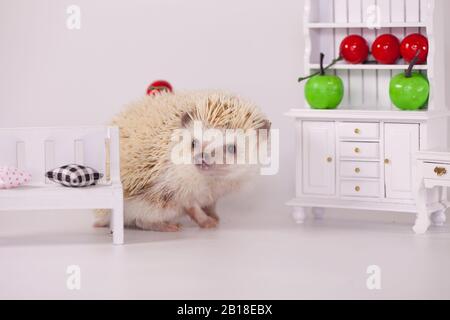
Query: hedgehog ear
{"points": [[186, 119]]}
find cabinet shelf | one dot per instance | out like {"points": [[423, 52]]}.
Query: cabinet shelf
{"points": [[329, 22], [363, 25], [370, 67], [368, 115]]}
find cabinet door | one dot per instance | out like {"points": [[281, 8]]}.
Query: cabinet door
{"points": [[401, 142], [319, 160]]}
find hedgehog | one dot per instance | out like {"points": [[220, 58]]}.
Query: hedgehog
{"points": [[159, 190]]}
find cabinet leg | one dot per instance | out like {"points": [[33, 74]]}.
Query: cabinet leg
{"points": [[438, 218], [318, 213], [299, 215]]}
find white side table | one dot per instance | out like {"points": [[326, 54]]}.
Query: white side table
{"points": [[432, 170]]}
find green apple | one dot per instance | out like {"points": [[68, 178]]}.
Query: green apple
{"points": [[324, 91], [410, 90], [409, 93]]}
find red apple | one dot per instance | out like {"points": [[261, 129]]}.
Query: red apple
{"points": [[386, 49], [159, 86], [354, 49], [411, 45]]}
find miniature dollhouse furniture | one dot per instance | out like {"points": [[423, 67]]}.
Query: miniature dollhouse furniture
{"points": [[432, 170], [360, 156], [38, 150]]}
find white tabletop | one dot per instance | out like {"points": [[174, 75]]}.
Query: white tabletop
{"points": [[434, 155]]}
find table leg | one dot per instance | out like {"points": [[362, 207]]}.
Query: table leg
{"points": [[423, 221]]}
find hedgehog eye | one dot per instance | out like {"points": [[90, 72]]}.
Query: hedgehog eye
{"points": [[195, 143], [231, 148]]}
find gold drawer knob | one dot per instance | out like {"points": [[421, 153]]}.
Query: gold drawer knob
{"points": [[329, 159], [357, 150], [440, 171], [387, 161], [357, 170], [357, 131], [357, 188]]}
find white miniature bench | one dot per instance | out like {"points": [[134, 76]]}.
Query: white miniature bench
{"points": [[38, 150]]}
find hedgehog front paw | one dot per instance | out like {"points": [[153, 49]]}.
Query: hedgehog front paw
{"points": [[214, 216], [209, 223], [211, 212]]}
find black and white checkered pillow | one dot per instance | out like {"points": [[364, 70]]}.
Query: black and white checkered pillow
{"points": [[74, 175]]}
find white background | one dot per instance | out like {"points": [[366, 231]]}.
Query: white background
{"points": [[52, 76]]}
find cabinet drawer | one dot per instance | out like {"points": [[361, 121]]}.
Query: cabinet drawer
{"points": [[437, 171], [360, 150], [354, 169], [359, 131], [355, 188]]}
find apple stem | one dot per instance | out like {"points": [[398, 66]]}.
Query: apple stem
{"points": [[408, 73], [322, 69]]}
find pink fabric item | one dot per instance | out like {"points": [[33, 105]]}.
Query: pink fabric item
{"points": [[13, 177]]}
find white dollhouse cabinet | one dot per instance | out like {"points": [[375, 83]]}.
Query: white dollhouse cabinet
{"points": [[359, 156]]}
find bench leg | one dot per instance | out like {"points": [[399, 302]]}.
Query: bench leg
{"points": [[117, 221]]}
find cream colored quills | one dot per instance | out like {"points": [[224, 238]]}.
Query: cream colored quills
{"points": [[156, 190]]}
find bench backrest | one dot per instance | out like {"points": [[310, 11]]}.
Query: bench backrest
{"points": [[38, 150]]}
